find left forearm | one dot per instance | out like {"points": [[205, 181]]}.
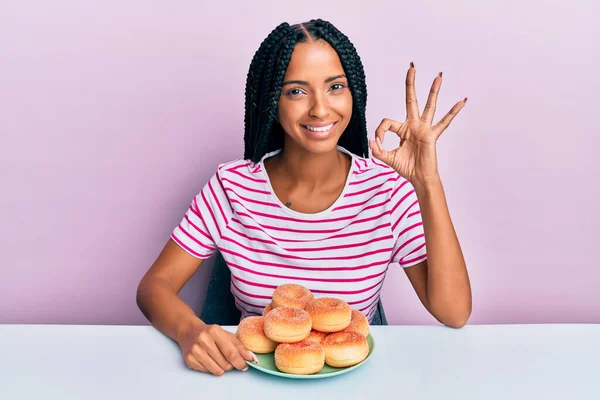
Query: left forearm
{"points": [[448, 286]]}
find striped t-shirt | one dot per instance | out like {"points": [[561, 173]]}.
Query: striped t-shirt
{"points": [[341, 252]]}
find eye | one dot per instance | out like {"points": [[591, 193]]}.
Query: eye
{"points": [[293, 92], [337, 86]]}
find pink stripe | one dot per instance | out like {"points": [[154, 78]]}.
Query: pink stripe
{"points": [[187, 248], [327, 248], [370, 305], [307, 249], [367, 299], [249, 200], [373, 177], [398, 189], [246, 187], [416, 250], [357, 164], [193, 238], [352, 257], [196, 227], [245, 302], [404, 213], [362, 191], [364, 202], [254, 296], [253, 239], [276, 228], [357, 233], [224, 194], [413, 214], [258, 296], [401, 200], [424, 256], [361, 172], [374, 160], [403, 245], [249, 178], [364, 162], [296, 278], [212, 191], [238, 167], [211, 213], [281, 218], [331, 292], [227, 164], [300, 268], [409, 228]]}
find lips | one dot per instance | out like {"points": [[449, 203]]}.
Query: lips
{"points": [[319, 133]]}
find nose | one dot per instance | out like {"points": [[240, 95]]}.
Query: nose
{"points": [[319, 108]]}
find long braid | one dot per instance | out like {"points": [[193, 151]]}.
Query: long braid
{"points": [[262, 133], [255, 82], [353, 139]]}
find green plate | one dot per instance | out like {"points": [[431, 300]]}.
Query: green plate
{"points": [[266, 364]]}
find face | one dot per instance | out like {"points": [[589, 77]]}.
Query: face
{"points": [[315, 104]]}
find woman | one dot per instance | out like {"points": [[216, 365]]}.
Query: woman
{"points": [[307, 205]]}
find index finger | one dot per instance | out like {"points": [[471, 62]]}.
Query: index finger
{"points": [[412, 107], [227, 344]]}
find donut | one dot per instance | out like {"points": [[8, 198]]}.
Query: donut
{"points": [[316, 336], [302, 358], [291, 295], [268, 308], [344, 349], [329, 314], [287, 324], [359, 323], [250, 332]]}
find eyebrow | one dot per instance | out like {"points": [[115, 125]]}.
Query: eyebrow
{"points": [[331, 78]]}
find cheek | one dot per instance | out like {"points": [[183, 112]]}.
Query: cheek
{"points": [[342, 104], [289, 112]]}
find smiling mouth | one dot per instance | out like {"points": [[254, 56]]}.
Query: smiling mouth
{"points": [[321, 131]]}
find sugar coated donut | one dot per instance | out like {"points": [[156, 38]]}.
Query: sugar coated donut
{"points": [[287, 324], [268, 308], [329, 314], [291, 295], [316, 336], [250, 332], [301, 358], [344, 349], [359, 323]]}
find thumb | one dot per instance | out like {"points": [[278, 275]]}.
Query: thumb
{"points": [[244, 352], [379, 152]]}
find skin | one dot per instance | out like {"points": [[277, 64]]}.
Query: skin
{"points": [[441, 282], [310, 175]]}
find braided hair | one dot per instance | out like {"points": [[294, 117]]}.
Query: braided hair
{"points": [[262, 131]]}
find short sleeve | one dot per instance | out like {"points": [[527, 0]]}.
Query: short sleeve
{"points": [[207, 217], [407, 226]]}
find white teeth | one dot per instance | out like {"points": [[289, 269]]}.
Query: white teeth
{"points": [[321, 129]]}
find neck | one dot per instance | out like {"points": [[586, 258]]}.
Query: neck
{"points": [[313, 170]]}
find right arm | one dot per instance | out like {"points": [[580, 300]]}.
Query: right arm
{"points": [[207, 348]]}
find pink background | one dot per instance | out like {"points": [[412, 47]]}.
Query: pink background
{"points": [[114, 114]]}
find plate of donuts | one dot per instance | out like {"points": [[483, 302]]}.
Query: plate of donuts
{"points": [[303, 337]]}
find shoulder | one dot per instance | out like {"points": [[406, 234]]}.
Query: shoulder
{"points": [[239, 175]]}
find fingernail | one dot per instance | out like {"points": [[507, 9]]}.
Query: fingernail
{"points": [[254, 357], [245, 369], [412, 65], [440, 74], [465, 100]]}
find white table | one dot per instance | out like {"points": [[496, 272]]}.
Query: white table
{"points": [[409, 362]]}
